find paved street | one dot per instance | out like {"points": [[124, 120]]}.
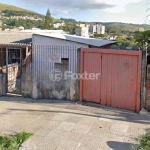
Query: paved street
{"points": [[62, 125]]}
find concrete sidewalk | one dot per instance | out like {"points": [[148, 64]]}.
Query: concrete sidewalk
{"points": [[62, 125]]}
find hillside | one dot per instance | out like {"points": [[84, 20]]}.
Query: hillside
{"points": [[11, 7], [126, 26], [123, 26], [117, 25], [36, 20], [14, 8]]}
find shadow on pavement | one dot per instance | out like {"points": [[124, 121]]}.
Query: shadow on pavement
{"points": [[120, 145], [85, 109]]}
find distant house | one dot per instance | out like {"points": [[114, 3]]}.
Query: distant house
{"points": [[21, 28], [141, 29], [83, 31], [57, 25], [82, 25], [97, 28], [111, 37]]}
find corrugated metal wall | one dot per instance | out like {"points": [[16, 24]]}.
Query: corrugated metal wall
{"points": [[43, 87], [119, 83]]}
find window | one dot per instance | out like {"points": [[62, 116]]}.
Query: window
{"points": [[13, 56]]}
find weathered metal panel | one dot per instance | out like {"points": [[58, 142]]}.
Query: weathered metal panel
{"points": [[43, 86], [120, 82], [90, 66], [120, 79]]}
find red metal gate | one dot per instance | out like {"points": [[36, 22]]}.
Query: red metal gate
{"points": [[120, 76]]}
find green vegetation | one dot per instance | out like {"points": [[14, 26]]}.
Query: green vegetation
{"points": [[124, 32], [9, 13], [113, 27], [68, 20], [125, 41], [125, 26], [13, 142], [27, 24], [48, 23], [98, 36], [117, 31], [142, 38], [69, 28], [144, 143]]}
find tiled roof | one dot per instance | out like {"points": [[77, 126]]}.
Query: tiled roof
{"points": [[15, 38]]}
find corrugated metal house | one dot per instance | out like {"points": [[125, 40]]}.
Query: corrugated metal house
{"points": [[59, 52]]}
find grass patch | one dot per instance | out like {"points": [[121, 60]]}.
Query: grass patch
{"points": [[13, 142], [144, 142]]}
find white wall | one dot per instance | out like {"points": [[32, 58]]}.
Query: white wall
{"points": [[103, 30]]}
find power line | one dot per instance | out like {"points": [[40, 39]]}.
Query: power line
{"points": [[146, 20], [141, 20]]}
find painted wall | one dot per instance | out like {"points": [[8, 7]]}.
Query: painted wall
{"points": [[43, 86]]}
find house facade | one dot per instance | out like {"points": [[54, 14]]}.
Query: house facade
{"points": [[50, 69], [53, 52]]}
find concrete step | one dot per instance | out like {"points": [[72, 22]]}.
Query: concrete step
{"points": [[13, 95]]}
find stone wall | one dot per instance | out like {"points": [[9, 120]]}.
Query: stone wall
{"points": [[26, 81], [2, 84]]}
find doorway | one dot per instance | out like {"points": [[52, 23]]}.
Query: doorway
{"points": [[13, 70]]}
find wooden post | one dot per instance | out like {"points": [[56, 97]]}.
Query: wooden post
{"points": [[143, 79]]}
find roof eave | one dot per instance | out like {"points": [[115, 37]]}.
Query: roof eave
{"points": [[15, 44], [114, 42]]}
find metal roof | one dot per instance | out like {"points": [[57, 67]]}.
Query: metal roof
{"points": [[15, 38], [43, 31], [79, 39], [14, 45]]}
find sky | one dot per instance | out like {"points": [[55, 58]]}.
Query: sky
{"points": [[127, 11]]}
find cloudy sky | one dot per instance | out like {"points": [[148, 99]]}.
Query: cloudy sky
{"points": [[129, 11]]}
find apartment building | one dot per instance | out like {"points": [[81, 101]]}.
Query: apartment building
{"points": [[97, 28], [83, 31]]}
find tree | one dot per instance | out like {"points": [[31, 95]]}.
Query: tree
{"points": [[48, 23], [125, 41], [69, 28], [142, 38]]}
